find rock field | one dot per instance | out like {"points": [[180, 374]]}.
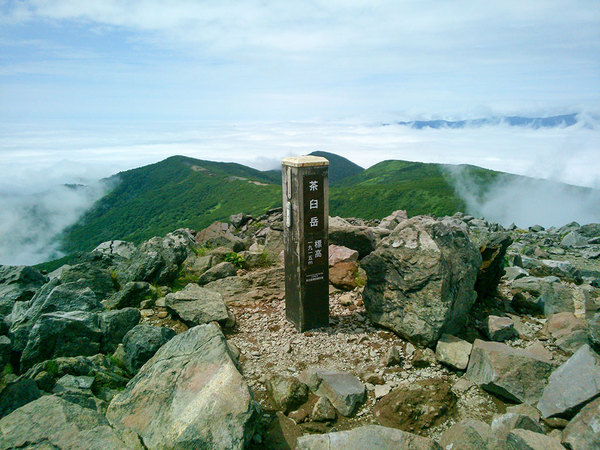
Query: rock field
{"points": [[444, 333]]}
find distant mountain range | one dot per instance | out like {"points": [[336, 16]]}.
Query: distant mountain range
{"points": [[186, 192], [565, 120]]}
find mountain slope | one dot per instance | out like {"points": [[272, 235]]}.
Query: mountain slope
{"points": [[339, 167], [186, 192], [177, 192]]}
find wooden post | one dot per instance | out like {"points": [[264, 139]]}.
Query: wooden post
{"points": [[305, 216]]}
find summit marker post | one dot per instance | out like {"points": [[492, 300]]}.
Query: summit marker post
{"points": [[305, 216]]}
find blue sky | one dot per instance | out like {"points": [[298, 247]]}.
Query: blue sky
{"points": [[143, 60]]}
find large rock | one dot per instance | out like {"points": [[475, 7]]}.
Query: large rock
{"points": [[105, 373], [418, 406], [52, 297], [373, 437], [16, 394], [453, 351], [512, 373], [189, 395], [344, 275], [529, 440], [116, 248], [500, 329], [564, 270], [142, 342], [568, 331], [219, 235], [572, 385], [114, 325], [18, 284], [493, 250], [469, 434], [221, 270], [420, 280], [393, 220], [342, 389], [583, 431], [574, 239], [54, 422], [195, 305], [92, 275], [286, 392], [505, 423], [71, 333], [556, 297], [338, 253], [158, 259], [131, 295], [359, 238]]}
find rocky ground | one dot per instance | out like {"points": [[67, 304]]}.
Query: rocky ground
{"points": [[443, 332]]}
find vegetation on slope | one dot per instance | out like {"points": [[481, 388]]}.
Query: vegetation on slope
{"points": [[174, 193]]}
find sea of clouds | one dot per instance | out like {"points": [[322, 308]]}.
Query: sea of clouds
{"points": [[36, 165]]}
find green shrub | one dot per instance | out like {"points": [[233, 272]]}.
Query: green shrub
{"points": [[236, 259]]}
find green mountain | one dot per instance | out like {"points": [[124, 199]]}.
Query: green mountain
{"points": [[339, 167], [186, 192], [177, 192]]}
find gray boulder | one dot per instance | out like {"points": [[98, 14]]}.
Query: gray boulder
{"points": [[359, 238], [569, 332], [393, 220], [54, 422], [286, 392], [195, 305], [131, 295], [221, 270], [469, 434], [114, 325], [16, 394], [373, 437], [529, 440], [514, 273], [574, 240], [515, 374], [158, 259], [572, 385], [493, 250], [342, 389], [219, 235], [556, 297], [141, 343], [189, 395], [239, 220], [93, 276], [105, 373], [504, 423], [564, 270], [323, 411], [453, 351], [71, 333], [52, 297], [500, 329], [590, 230], [583, 431], [116, 248], [18, 284], [420, 280]]}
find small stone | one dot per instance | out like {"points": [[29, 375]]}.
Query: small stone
{"points": [[393, 357], [382, 390], [423, 358], [162, 314]]}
